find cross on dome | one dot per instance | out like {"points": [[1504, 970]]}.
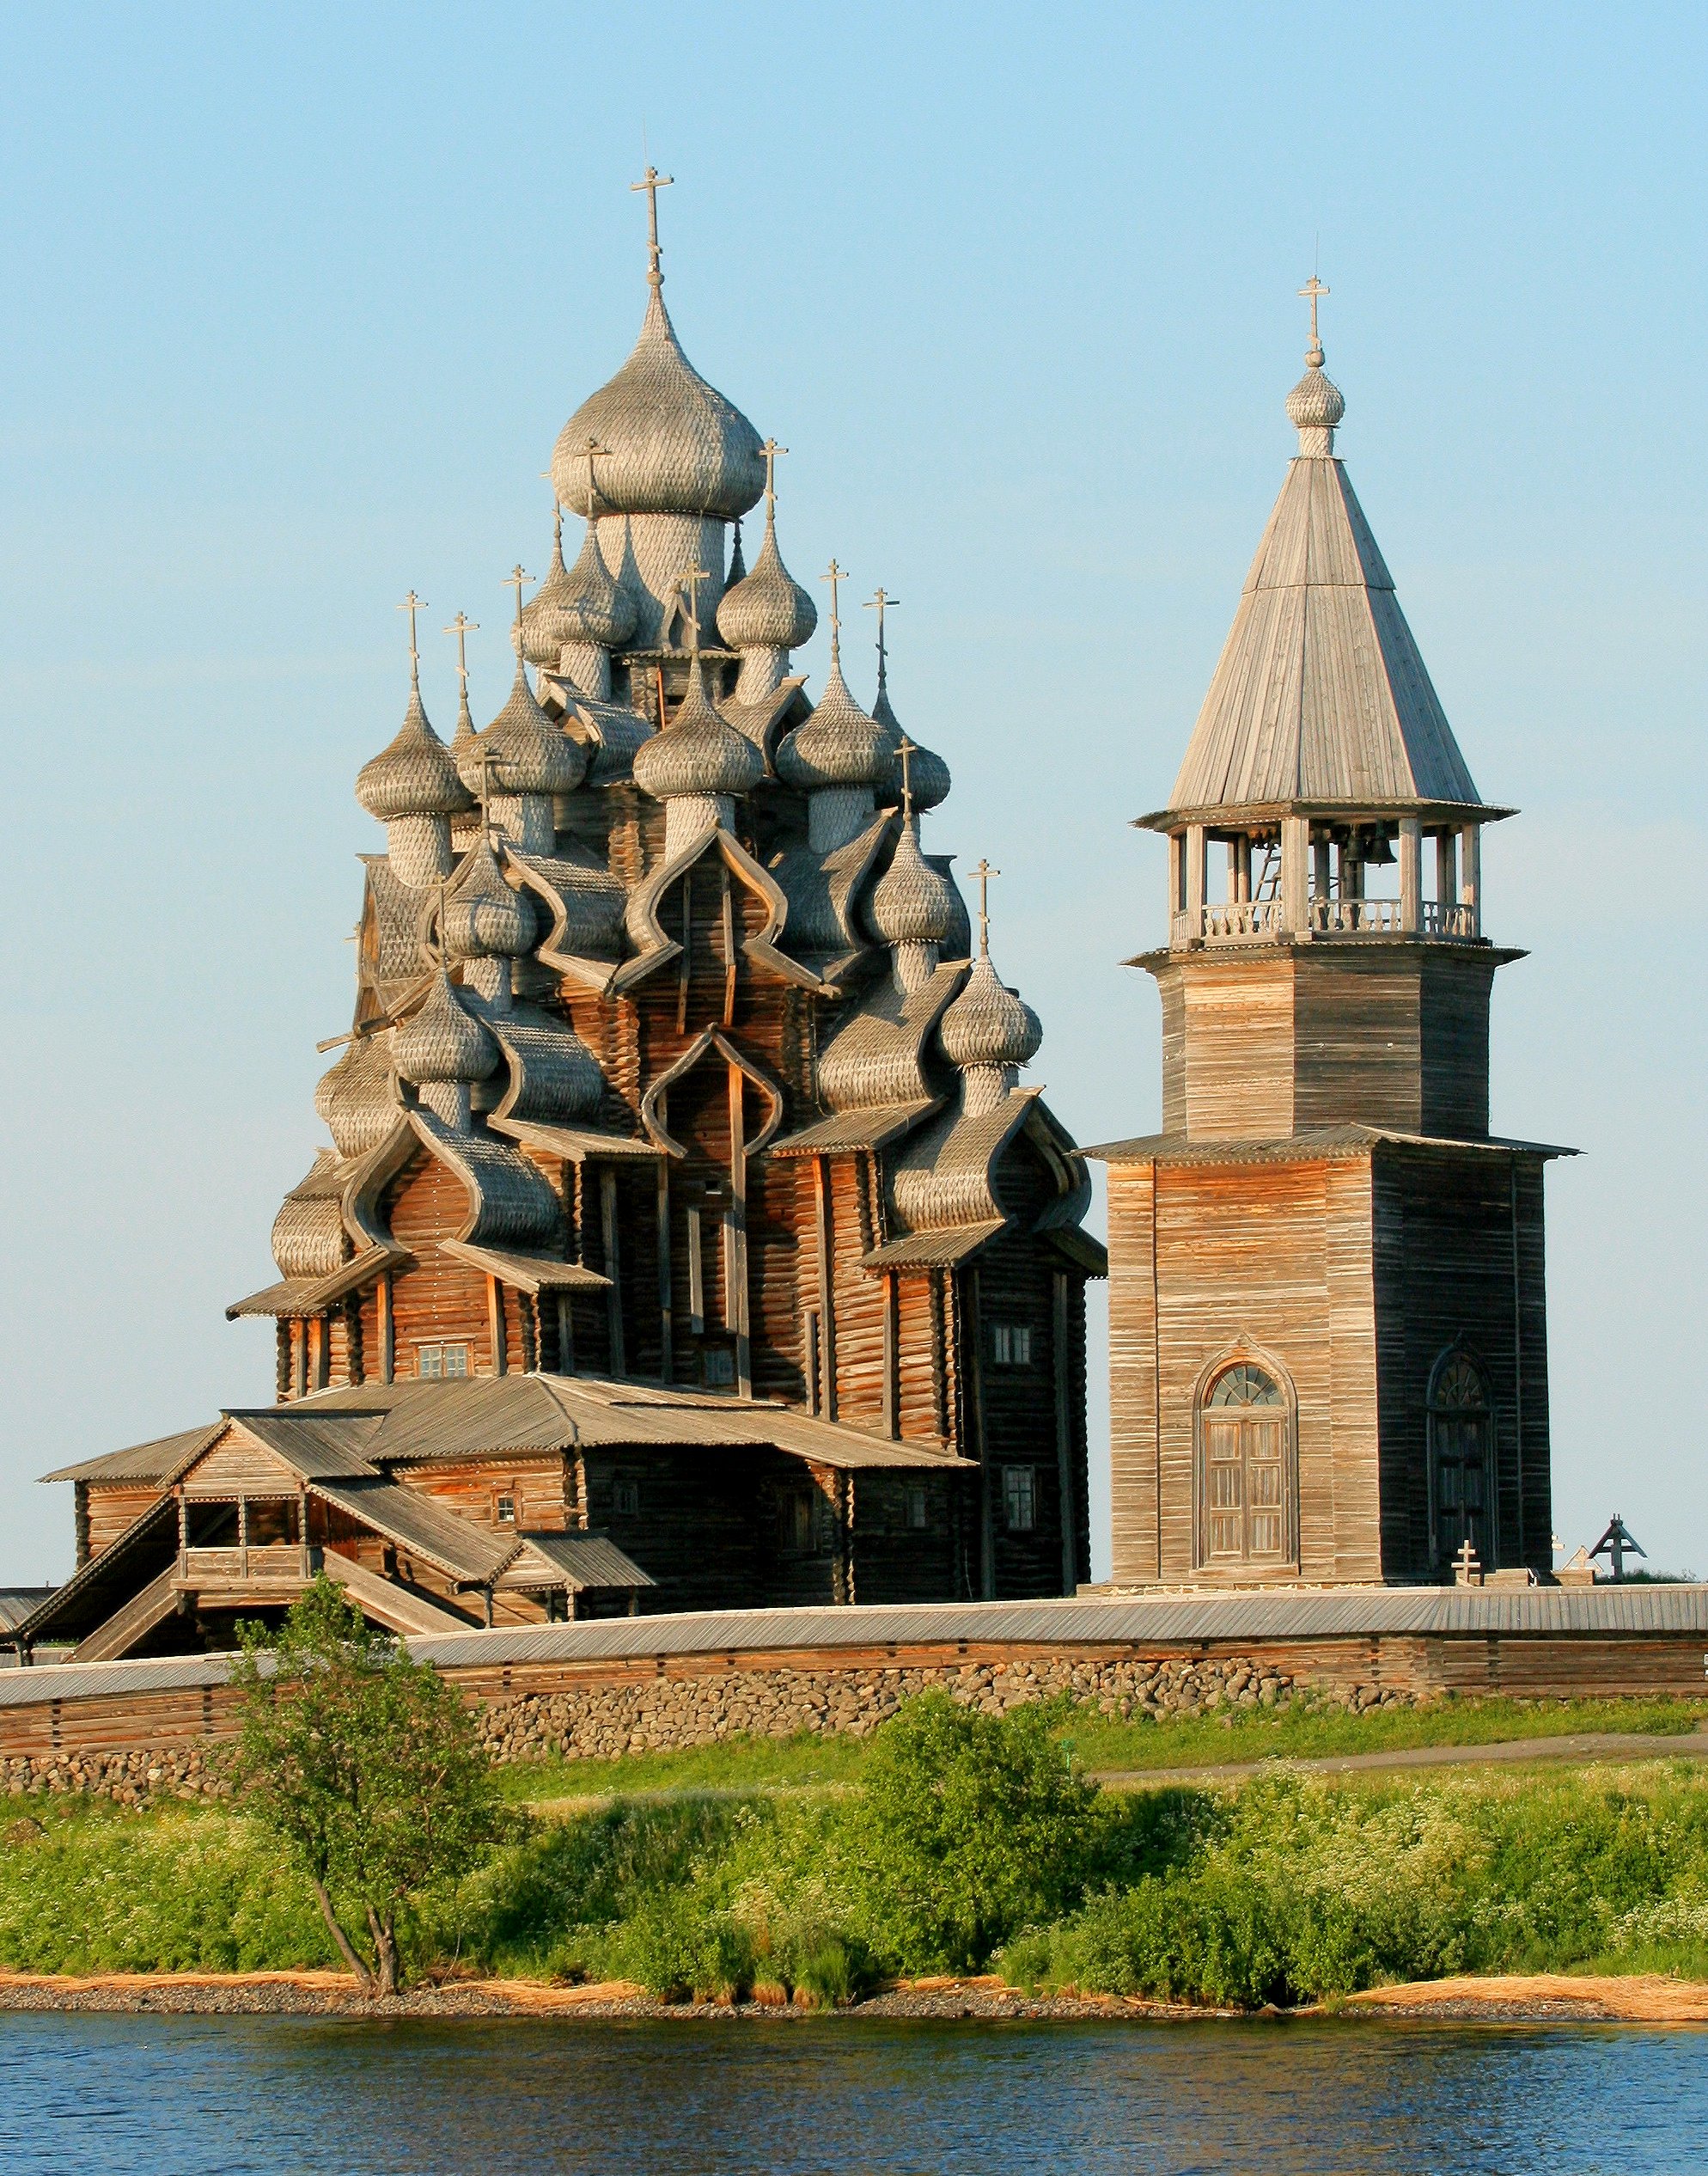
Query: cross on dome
{"points": [[984, 872], [514, 580], [412, 604], [833, 575], [1311, 291], [769, 451], [880, 602], [462, 626], [688, 582], [593, 451], [906, 750], [652, 182]]}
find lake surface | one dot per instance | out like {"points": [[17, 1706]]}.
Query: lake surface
{"points": [[181, 2096]]}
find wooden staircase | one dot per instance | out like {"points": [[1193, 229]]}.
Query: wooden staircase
{"points": [[399, 1609], [128, 1625]]}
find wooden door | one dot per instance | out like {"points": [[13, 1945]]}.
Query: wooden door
{"points": [[1461, 1447], [1244, 1485]]}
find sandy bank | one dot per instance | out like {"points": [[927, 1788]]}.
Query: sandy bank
{"points": [[1646, 1999]]}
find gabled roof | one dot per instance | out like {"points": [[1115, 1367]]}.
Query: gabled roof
{"points": [[415, 1522], [317, 1445], [1321, 696], [159, 1462], [575, 1560]]}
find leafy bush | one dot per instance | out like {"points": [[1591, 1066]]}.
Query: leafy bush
{"points": [[970, 1827]]}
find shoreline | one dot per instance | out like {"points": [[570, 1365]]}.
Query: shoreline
{"points": [[1542, 1998]]}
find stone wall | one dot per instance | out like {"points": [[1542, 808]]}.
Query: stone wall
{"points": [[589, 1720]]}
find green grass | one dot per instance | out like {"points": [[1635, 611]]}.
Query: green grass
{"points": [[1304, 1730], [1307, 1730]]}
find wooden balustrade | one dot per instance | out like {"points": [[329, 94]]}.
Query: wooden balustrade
{"points": [[1253, 921]]}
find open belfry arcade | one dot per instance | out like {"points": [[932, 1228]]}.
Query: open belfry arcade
{"points": [[684, 1238], [1328, 1323]]}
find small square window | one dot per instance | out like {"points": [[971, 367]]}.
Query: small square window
{"points": [[1011, 1344], [717, 1365], [436, 1361], [505, 1509], [1020, 1498], [918, 1514], [626, 1495]]}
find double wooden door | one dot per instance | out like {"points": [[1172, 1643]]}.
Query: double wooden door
{"points": [[1245, 1487], [1460, 1482]]}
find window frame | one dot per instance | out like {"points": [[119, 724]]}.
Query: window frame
{"points": [[1011, 1345], [1014, 1473], [441, 1346], [1460, 1355], [1246, 1569]]}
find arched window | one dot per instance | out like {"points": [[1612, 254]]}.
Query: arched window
{"points": [[1245, 1493], [1462, 1461]]}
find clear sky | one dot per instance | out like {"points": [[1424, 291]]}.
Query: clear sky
{"points": [[297, 300]]}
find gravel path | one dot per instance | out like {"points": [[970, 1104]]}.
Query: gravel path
{"points": [[1597, 1746]]}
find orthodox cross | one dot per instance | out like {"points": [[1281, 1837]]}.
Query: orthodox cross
{"points": [[556, 512], [514, 580], [1465, 1562], [652, 183], [462, 626], [878, 602], [770, 450], [689, 584], [593, 451], [485, 759], [836, 574], [412, 604], [438, 951], [1310, 292], [904, 749], [984, 872]]}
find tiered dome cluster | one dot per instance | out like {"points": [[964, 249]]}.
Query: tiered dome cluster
{"points": [[659, 465]]}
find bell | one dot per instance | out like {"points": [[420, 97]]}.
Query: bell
{"points": [[1381, 848]]}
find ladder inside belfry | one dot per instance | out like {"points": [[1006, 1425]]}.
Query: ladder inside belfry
{"points": [[1268, 885]]}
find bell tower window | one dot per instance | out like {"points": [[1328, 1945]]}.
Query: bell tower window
{"points": [[1246, 1512]]}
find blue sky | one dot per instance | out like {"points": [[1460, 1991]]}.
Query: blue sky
{"points": [[296, 300]]}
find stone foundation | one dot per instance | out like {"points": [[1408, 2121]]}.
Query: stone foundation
{"points": [[594, 1721]]}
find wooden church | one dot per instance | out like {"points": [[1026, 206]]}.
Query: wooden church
{"points": [[1328, 1334], [684, 1238]]}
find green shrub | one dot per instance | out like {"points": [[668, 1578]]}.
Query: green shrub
{"points": [[970, 1827]]}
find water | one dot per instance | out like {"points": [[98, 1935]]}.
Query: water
{"points": [[250, 2097]]}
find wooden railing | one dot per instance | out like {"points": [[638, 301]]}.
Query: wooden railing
{"points": [[261, 1559], [1260, 921]]}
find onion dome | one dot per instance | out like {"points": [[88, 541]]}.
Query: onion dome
{"points": [[673, 443], [988, 1025], [415, 774], [583, 603], [308, 1237], [928, 773], [767, 609], [698, 752], [354, 1098], [444, 1041], [483, 918], [841, 744], [1315, 402], [525, 752], [910, 903]]}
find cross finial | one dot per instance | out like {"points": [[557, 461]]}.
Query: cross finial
{"points": [[462, 626], [833, 575], [880, 602], [593, 451], [514, 580], [439, 947], [689, 582], [652, 182], [1311, 291], [905, 749], [770, 450], [984, 872], [484, 758], [412, 604]]}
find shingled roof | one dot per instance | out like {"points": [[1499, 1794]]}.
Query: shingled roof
{"points": [[1321, 698]]}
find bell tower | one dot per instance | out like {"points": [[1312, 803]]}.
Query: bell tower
{"points": [[1325, 1241]]}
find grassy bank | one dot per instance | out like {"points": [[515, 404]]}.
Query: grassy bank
{"points": [[969, 1843], [1305, 1729]]}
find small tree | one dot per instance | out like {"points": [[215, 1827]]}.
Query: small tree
{"points": [[969, 1827], [365, 1765]]}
